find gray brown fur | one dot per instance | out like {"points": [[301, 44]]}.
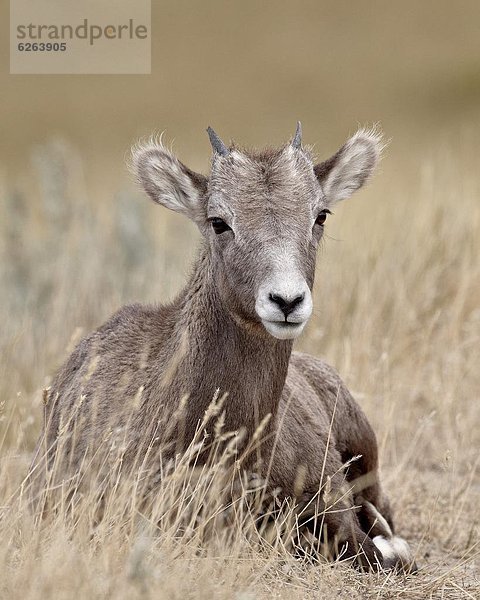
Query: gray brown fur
{"points": [[211, 337]]}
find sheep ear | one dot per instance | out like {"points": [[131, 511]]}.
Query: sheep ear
{"points": [[169, 182], [351, 166]]}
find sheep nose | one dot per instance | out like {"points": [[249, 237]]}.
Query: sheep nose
{"points": [[286, 305]]}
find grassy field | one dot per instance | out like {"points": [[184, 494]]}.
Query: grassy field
{"points": [[397, 312], [397, 298]]}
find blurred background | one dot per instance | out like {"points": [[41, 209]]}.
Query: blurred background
{"points": [[251, 70]]}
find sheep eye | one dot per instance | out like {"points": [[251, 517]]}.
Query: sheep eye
{"points": [[322, 217], [218, 225]]}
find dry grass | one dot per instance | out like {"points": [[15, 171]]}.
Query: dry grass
{"points": [[398, 313]]}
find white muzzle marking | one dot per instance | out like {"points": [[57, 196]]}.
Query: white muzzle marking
{"points": [[284, 304]]}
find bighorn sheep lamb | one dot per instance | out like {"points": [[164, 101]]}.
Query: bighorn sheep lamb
{"points": [[261, 215]]}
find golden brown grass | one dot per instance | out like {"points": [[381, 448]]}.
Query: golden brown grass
{"points": [[397, 312]]}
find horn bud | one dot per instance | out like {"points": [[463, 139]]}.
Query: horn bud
{"points": [[297, 138], [217, 144]]}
